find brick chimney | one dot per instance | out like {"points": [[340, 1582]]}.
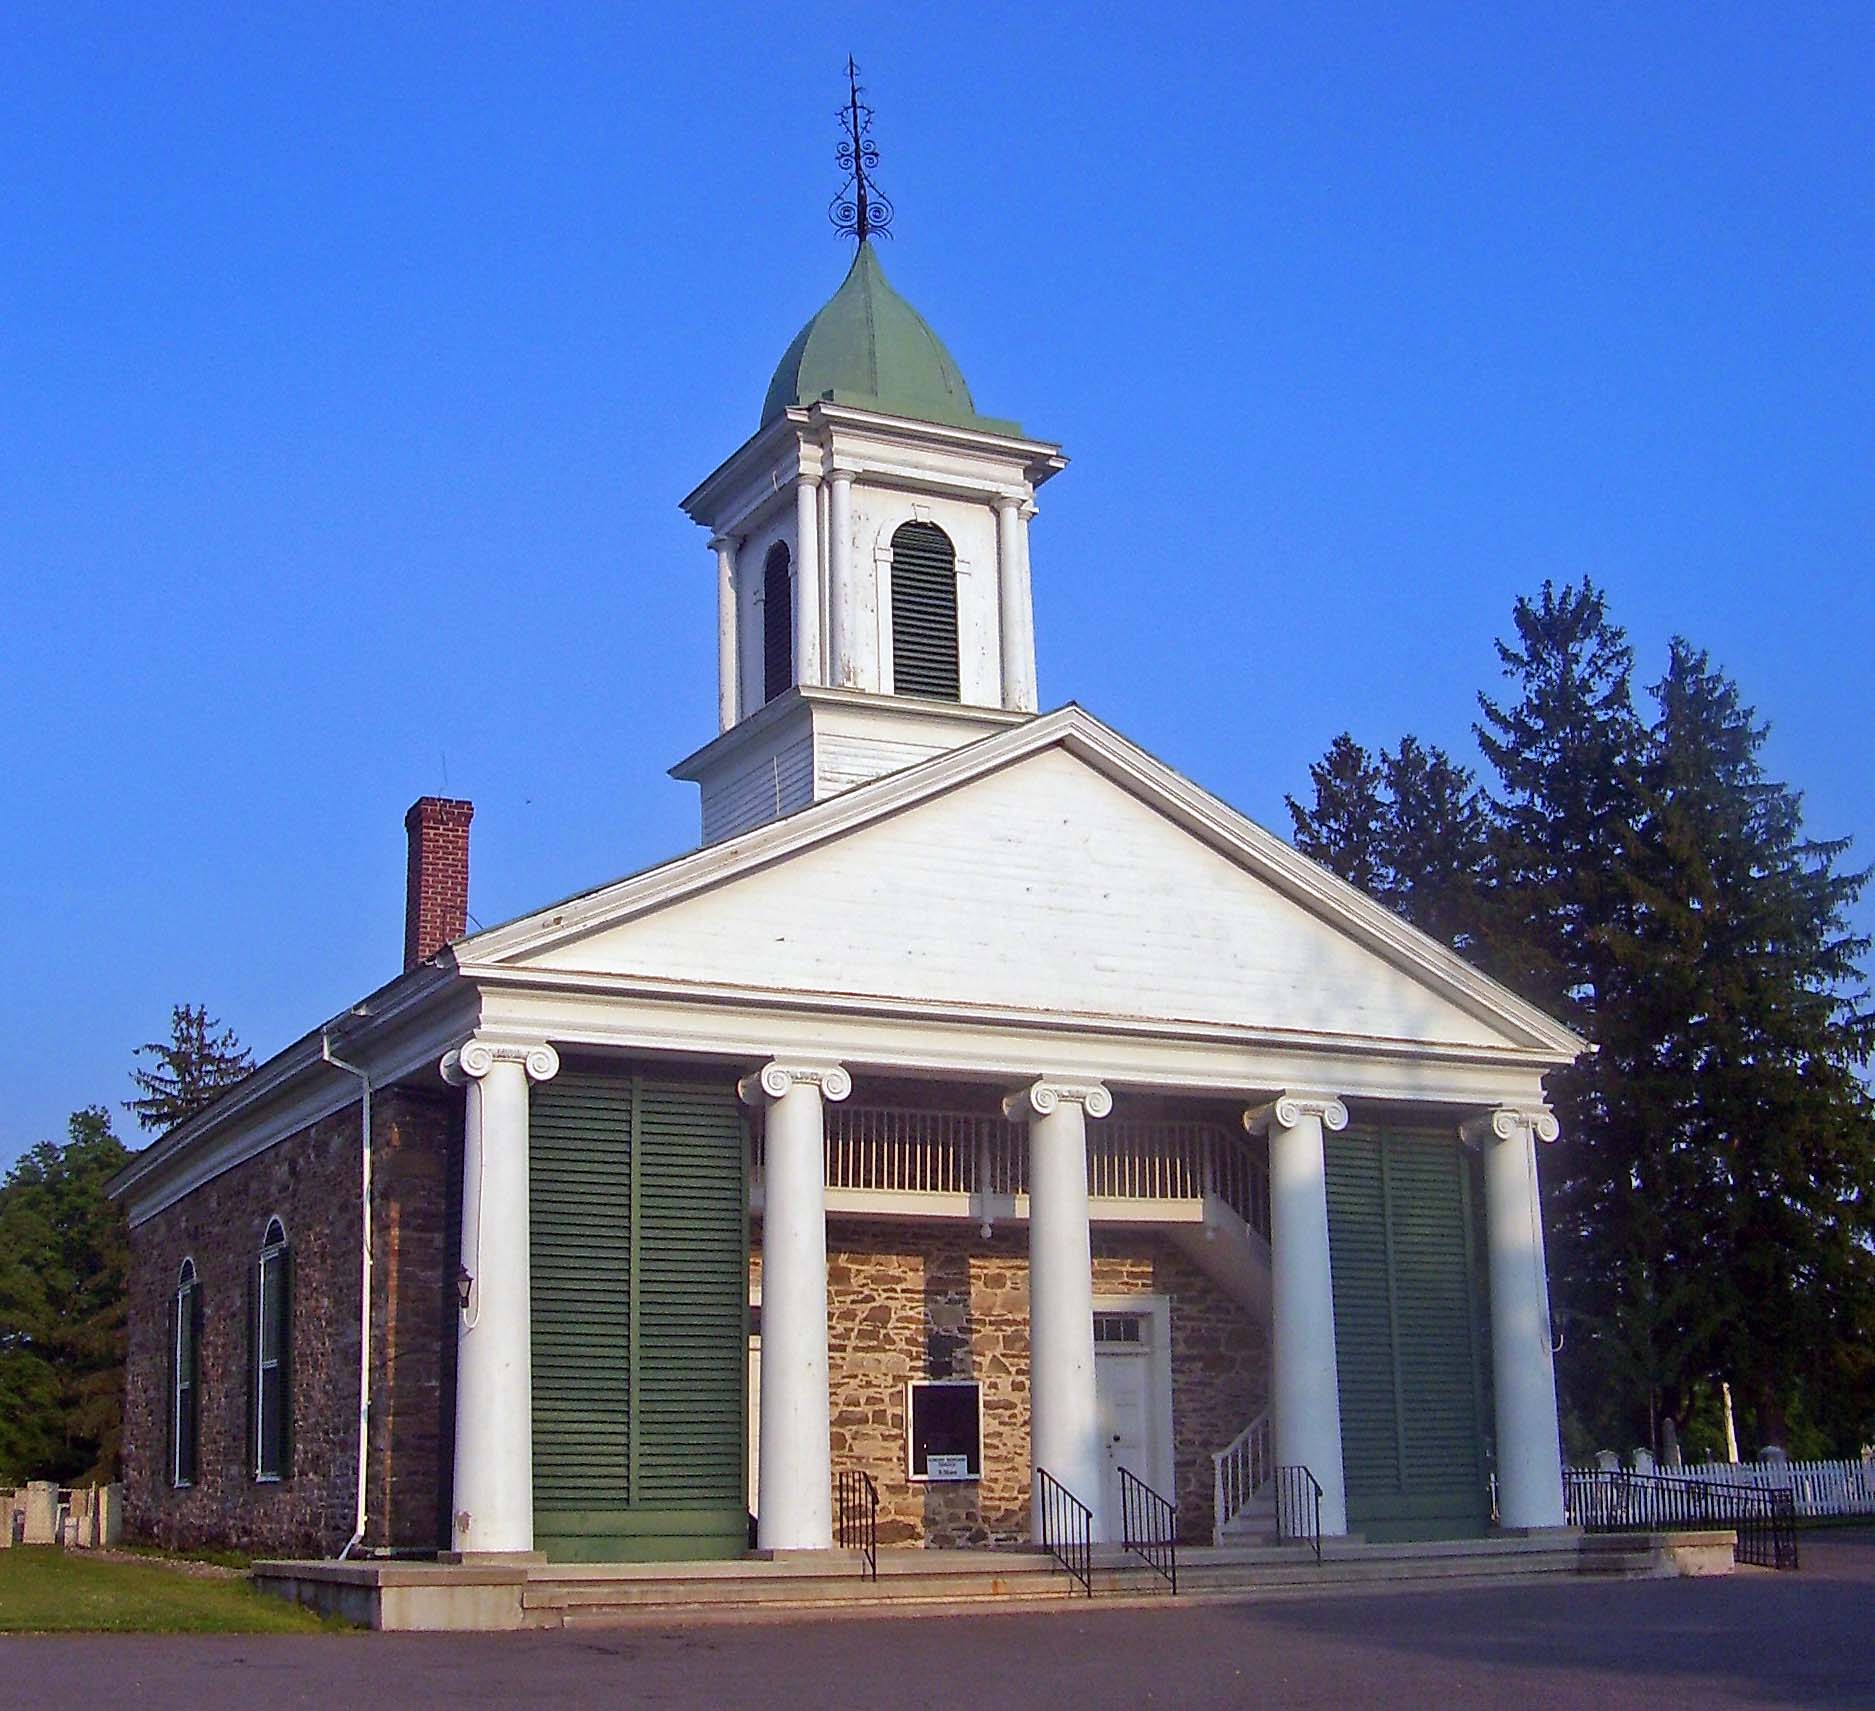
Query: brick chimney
{"points": [[436, 898]]}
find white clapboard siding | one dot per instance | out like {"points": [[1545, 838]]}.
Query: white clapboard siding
{"points": [[777, 784], [842, 761], [1043, 886]]}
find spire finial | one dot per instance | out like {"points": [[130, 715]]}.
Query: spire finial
{"points": [[859, 210]]}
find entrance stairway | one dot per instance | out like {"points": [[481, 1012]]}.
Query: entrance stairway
{"points": [[414, 1595]]}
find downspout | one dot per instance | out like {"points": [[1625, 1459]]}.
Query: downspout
{"points": [[364, 1289]]}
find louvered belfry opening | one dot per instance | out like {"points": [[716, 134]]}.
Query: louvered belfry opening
{"points": [[777, 622], [924, 613]]}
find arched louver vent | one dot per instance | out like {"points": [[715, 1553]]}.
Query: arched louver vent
{"points": [[924, 613], [777, 623]]}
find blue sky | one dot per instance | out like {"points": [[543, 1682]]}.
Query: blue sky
{"points": [[353, 359]]}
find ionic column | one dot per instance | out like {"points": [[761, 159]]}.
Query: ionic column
{"points": [[494, 1489], [794, 1456], [842, 596], [807, 588], [1064, 1426], [1305, 1394], [1529, 1449], [728, 667]]}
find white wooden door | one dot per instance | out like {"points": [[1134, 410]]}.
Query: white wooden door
{"points": [[1123, 1388]]}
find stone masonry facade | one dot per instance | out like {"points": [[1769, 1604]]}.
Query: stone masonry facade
{"points": [[943, 1301], [310, 1182]]}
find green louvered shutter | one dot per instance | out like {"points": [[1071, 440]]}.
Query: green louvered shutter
{"points": [[924, 613], [692, 1297], [1407, 1323], [638, 1224], [1429, 1215], [579, 1226], [1357, 1241]]}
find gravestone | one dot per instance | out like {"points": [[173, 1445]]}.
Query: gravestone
{"points": [[42, 1513]]}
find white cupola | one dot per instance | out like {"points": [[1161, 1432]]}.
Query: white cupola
{"points": [[872, 564]]}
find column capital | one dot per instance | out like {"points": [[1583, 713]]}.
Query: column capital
{"points": [[841, 472], [1286, 1110], [1007, 502], [777, 1079], [1507, 1122], [1044, 1096], [1029, 508], [808, 477], [725, 544], [475, 1057]]}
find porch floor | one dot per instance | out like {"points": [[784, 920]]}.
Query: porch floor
{"points": [[537, 1594]]}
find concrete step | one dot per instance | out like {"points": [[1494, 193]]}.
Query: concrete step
{"points": [[538, 1594]]}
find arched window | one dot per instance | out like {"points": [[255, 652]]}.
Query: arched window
{"points": [[270, 1315], [185, 1375], [924, 612], [777, 622]]}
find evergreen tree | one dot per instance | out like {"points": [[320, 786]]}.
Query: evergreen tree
{"points": [[64, 1270], [191, 1071], [1738, 1038], [1342, 829], [1410, 828]]}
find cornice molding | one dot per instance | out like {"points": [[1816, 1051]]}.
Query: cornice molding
{"points": [[1289, 1110]]}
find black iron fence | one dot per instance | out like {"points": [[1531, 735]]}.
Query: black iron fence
{"points": [[859, 1518], [1763, 1521], [1149, 1527], [1067, 1528], [1299, 1507]]}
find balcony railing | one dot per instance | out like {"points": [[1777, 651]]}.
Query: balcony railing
{"points": [[879, 1149]]}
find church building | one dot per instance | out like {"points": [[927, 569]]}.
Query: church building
{"points": [[980, 1111]]}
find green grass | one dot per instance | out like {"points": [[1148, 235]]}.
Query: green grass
{"points": [[45, 1590]]}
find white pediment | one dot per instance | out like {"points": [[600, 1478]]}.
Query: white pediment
{"points": [[1041, 883]]}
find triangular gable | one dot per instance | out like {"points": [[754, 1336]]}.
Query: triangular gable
{"points": [[1051, 868]]}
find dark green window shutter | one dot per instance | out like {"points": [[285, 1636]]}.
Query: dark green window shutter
{"points": [[189, 1366], [924, 613], [1357, 1239], [255, 1455], [777, 623], [693, 1295], [1406, 1293], [283, 1444], [579, 1226]]}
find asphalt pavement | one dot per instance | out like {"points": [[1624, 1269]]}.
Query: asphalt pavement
{"points": [[1750, 1639]]}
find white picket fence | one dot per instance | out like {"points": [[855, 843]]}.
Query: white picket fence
{"points": [[1816, 1487]]}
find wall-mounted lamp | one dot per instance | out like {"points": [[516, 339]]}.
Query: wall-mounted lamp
{"points": [[464, 1283]]}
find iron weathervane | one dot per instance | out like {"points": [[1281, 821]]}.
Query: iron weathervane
{"points": [[859, 210]]}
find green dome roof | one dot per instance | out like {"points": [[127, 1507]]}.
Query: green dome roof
{"points": [[870, 348]]}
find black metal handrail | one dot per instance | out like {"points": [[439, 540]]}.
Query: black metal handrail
{"points": [[1763, 1520], [1067, 1528], [859, 1518], [1299, 1507], [1149, 1527]]}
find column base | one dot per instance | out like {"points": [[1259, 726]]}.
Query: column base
{"points": [[493, 1559]]}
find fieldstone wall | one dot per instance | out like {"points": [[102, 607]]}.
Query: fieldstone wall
{"points": [[943, 1301], [310, 1182]]}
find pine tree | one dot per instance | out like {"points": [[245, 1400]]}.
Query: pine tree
{"points": [[1342, 829], [64, 1271], [191, 1071], [1409, 828], [1739, 1032]]}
